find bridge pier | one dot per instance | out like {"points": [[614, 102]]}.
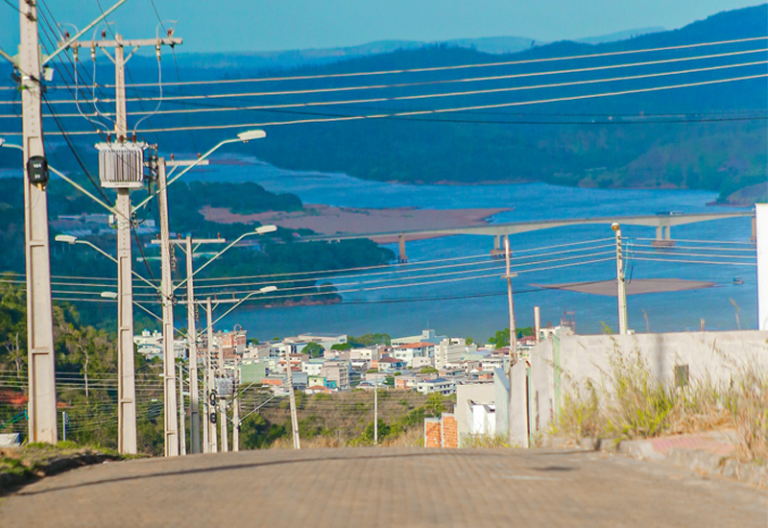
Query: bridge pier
{"points": [[402, 258], [663, 237], [497, 252]]}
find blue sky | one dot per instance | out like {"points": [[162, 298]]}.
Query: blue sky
{"points": [[259, 25]]}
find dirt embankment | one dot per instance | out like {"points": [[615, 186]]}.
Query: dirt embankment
{"points": [[327, 220]]}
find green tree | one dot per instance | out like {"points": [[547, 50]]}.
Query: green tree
{"points": [[314, 350], [428, 370]]}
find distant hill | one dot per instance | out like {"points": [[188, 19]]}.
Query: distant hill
{"points": [[709, 137], [703, 138], [276, 60]]}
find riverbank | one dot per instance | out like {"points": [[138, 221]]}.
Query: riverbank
{"points": [[329, 220]]}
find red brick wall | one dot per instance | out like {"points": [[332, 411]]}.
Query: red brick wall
{"points": [[432, 432], [450, 432]]}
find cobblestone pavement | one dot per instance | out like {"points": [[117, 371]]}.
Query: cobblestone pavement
{"points": [[386, 487]]}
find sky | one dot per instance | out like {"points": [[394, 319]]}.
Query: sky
{"points": [[267, 25]]}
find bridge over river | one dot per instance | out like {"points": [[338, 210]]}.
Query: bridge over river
{"points": [[662, 222]]}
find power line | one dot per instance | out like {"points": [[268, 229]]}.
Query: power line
{"points": [[467, 66], [466, 80], [408, 115]]}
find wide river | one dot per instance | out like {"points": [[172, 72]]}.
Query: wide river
{"points": [[477, 308]]}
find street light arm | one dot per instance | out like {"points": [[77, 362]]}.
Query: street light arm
{"points": [[238, 303], [113, 259], [220, 253], [187, 169], [66, 179]]}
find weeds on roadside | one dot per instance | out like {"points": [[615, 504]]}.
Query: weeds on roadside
{"points": [[631, 403]]}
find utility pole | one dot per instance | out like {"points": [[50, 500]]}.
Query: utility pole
{"points": [[537, 323], [206, 418], [171, 428], [622, 287], [113, 170], [64, 425], [222, 403], [375, 414], [512, 333], [211, 425], [292, 399], [512, 329], [236, 413], [223, 425], [194, 404], [42, 362], [182, 413]]}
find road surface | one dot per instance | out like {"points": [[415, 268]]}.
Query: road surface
{"points": [[385, 487]]}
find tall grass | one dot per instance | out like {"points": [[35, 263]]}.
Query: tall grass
{"points": [[630, 403]]}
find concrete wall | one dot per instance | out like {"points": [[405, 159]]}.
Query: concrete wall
{"points": [[714, 355], [466, 393]]}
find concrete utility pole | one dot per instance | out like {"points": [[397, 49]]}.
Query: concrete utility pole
{"points": [[222, 404], [211, 425], [292, 399], [127, 442], [622, 287], [182, 415], [512, 329], [223, 425], [171, 428], [236, 413], [375, 414], [42, 362], [537, 323], [194, 404]]}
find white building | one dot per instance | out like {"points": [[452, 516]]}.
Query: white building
{"points": [[410, 351], [324, 340], [313, 366], [426, 335], [450, 352], [150, 345], [442, 386]]}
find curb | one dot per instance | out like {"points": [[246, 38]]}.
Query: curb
{"points": [[694, 459]]}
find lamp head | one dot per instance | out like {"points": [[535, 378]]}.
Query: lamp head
{"points": [[109, 295], [266, 229], [615, 226], [268, 289], [67, 239], [248, 135]]}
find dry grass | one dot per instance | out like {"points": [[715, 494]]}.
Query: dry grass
{"points": [[630, 403], [413, 437]]}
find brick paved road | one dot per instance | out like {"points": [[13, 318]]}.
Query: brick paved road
{"points": [[385, 487]]}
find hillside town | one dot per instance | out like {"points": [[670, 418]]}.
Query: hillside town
{"points": [[327, 363]]}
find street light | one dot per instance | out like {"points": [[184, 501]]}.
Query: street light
{"points": [[261, 230], [260, 291], [242, 137], [72, 240], [64, 177]]}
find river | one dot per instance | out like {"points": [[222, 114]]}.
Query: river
{"points": [[478, 308]]}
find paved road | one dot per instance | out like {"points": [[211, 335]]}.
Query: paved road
{"points": [[385, 487]]}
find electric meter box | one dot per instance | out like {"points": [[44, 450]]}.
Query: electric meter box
{"points": [[121, 165], [37, 170]]}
